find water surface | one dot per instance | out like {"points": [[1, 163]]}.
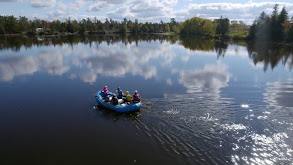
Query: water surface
{"points": [[204, 101]]}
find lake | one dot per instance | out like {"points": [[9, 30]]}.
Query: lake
{"points": [[204, 101]]}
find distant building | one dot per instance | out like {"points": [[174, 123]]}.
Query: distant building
{"points": [[39, 29]]}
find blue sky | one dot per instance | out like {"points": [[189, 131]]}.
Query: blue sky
{"points": [[143, 10]]}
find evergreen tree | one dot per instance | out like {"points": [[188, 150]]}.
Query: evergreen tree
{"points": [[281, 20], [275, 29]]}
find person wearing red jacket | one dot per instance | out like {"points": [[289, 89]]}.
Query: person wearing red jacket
{"points": [[136, 97]]}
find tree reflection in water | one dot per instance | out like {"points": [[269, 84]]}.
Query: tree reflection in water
{"points": [[270, 54], [266, 53]]}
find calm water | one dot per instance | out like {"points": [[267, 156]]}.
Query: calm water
{"points": [[204, 101]]}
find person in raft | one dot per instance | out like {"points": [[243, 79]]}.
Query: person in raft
{"points": [[114, 100], [119, 93], [106, 94], [105, 89], [128, 97], [136, 97]]}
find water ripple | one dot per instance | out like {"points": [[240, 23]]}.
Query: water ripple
{"points": [[218, 132]]}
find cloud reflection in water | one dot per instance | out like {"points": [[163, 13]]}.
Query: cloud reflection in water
{"points": [[53, 63], [210, 79], [49, 61], [11, 67]]}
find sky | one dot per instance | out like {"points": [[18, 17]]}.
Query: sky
{"points": [[143, 10]]}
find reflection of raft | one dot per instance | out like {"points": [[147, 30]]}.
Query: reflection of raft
{"points": [[119, 108]]}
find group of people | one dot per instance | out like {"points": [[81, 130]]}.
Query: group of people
{"points": [[127, 98]]}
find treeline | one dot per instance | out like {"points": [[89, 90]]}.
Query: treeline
{"points": [[274, 27], [193, 26], [13, 25]]}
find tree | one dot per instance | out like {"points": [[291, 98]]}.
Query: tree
{"points": [[173, 22], [136, 28], [286, 28], [167, 28], [2, 25], [23, 24], [275, 29], [223, 26], [283, 16], [123, 28], [107, 24]]}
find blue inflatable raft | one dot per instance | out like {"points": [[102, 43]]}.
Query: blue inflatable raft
{"points": [[119, 108]]}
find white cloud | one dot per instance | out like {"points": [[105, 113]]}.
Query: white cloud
{"points": [[115, 64], [148, 10], [210, 78], [169, 82], [49, 61], [102, 5], [9, 68], [113, 1], [43, 3], [154, 10], [234, 11], [170, 2], [61, 5], [52, 62], [76, 5], [11, 0], [90, 77], [105, 4]]}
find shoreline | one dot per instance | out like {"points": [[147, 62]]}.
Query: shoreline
{"points": [[222, 38]]}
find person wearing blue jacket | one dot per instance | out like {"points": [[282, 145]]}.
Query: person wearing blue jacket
{"points": [[119, 93]]}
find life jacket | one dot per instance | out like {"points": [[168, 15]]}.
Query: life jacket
{"points": [[119, 94], [128, 97], [136, 98]]}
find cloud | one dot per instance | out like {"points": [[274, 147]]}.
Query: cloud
{"points": [[117, 62], [62, 16], [61, 5], [76, 5], [234, 11], [154, 10], [9, 68], [102, 5], [114, 64], [43, 3], [52, 62], [169, 82], [170, 2], [149, 10], [111, 1], [105, 4], [11, 0], [90, 77], [211, 78], [105, 60]]}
